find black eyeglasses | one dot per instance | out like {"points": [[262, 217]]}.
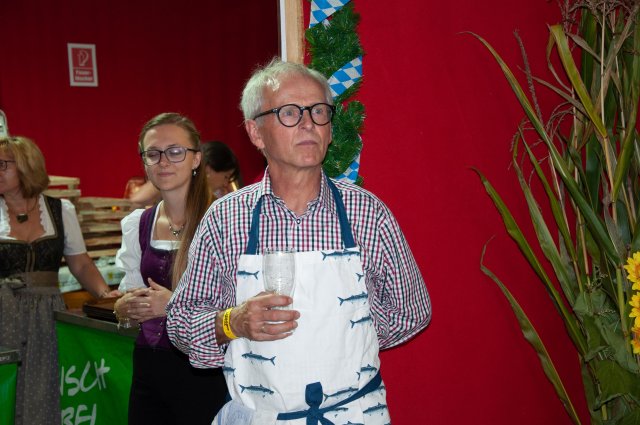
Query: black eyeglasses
{"points": [[290, 115], [173, 154], [3, 163]]}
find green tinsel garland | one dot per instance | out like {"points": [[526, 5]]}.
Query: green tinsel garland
{"points": [[331, 46]]}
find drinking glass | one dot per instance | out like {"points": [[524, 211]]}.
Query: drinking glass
{"points": [[125, 321], [279, 270]]}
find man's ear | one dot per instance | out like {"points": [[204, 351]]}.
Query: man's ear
{"points": [[254, 133]]}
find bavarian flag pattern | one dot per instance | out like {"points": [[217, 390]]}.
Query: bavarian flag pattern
{"points": [[322, 9], [346, 76]]}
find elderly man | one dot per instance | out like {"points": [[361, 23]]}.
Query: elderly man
{"points": [[357, 287]]}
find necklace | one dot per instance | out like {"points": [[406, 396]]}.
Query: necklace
{"points": [[175, 232], [25, 216]]}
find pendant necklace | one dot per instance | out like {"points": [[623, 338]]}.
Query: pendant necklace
{"points": [[25, 216], [175, 232]]}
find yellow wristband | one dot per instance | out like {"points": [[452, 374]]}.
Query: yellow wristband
{"points": [[226, 324]]}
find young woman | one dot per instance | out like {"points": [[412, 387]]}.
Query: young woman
{"points": [[165, 388], [220, 167]]}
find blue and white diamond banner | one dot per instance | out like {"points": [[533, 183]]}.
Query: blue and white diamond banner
{"points": [[322, 9], [346, 76], [351, 173]]}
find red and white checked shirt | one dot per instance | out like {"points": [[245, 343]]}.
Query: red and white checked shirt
{"points": [[400, 304]]}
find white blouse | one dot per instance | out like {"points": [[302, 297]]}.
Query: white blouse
{"points": [[129, 255], [73, 241]]}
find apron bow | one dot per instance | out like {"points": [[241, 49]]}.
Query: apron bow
{"points": [[313, 397]]}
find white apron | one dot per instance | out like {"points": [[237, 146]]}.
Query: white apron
{"points": [[327, 371]]}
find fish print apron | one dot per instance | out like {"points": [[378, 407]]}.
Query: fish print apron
{"points": [[327, 371]]}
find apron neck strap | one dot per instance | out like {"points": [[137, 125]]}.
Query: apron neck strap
{"points": [[345, 226], [252, 245]]}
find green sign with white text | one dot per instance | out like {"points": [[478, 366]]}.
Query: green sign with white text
{"points": [[95, 375], [8, 376]]}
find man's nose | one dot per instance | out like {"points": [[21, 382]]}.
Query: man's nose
{"points": [[305, 120]]}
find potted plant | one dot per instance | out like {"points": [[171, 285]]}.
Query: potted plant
{"points": [[579, 171]]}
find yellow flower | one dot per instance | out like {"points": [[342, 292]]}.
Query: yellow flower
{"points": [[636, 346], [635, 312], [635, 301], [633, 268]]}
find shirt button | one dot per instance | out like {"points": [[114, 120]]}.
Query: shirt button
{"points": [[298, 221]]}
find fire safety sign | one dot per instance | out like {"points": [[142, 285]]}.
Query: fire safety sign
{"points": [[83, 69]]}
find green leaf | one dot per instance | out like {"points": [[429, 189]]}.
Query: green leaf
{"points": [[531, 335], [557, 32], [554, 203], [546, 240], [516, 234], [614, 382], [630, 138], [591, 219], [632, 418]]}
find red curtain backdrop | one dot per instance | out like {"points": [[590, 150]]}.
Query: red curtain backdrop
{"points": [[436, 105], [152, 56]]}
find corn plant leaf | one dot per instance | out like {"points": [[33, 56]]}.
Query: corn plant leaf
{"points": [[591, 219], [566, 96], [532, 336], [630, 132], [573, 73], [593, 172], [584, 45], [620, 35], [614, 228], [516, 234], [589, 31], [552, 68], [554, 203], [546, 240]]}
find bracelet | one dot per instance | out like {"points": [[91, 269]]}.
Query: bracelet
{"points": [[226, 324]]}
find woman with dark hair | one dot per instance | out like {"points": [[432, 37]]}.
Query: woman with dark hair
{"points": [[36, 231], [165, 388], [221, 168]]}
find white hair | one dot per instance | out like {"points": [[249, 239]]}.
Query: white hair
{"points": [[271, 76]]}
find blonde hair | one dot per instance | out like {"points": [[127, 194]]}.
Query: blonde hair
{"points": [[32, 172], [198, 197]]}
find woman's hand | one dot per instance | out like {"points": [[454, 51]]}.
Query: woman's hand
{"points": [[111, 294], [158, 298], [147, 303], [121, 307]]}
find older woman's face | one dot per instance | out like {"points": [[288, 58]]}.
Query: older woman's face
{"points": [[9, 178]]}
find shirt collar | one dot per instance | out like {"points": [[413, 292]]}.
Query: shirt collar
{"points": [[324, 199]]}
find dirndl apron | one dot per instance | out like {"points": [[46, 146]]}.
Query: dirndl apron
{"points": [[328, 370]]}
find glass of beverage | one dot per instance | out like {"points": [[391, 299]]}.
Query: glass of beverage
{"points": [[125, 321], [279, 270]]}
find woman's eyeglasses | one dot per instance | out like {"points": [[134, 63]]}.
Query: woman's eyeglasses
{"points": [[3, 163], [173, 154]]}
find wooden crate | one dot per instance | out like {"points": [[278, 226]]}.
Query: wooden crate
{"points": [[64, 187], [100, 223]]}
